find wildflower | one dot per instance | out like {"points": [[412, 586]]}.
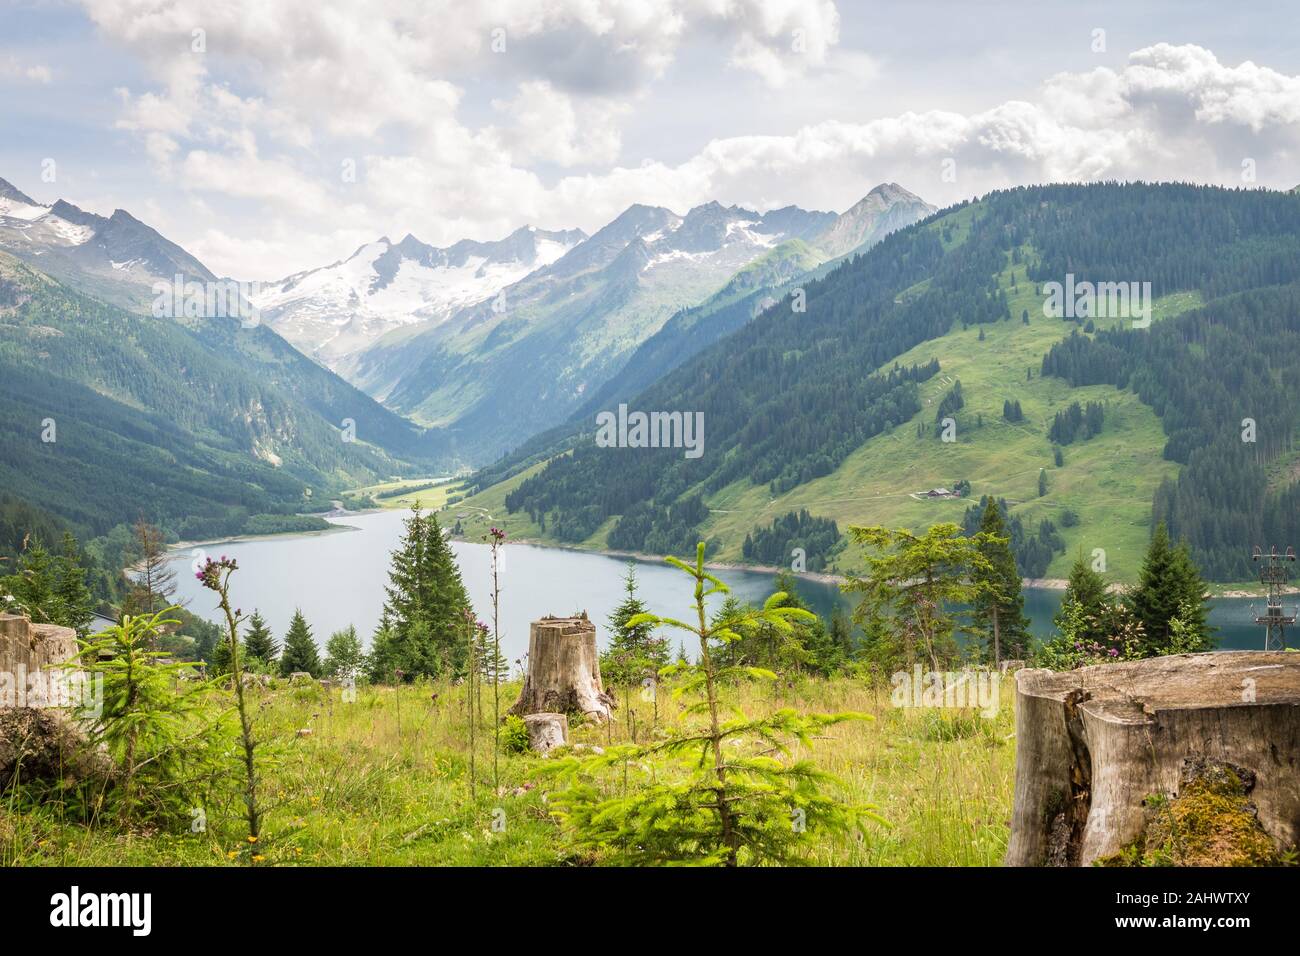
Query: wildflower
{"points": [[252, 839], [258, 858]]}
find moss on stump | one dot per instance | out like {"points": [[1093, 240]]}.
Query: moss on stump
{"points": [[1211, 822]]}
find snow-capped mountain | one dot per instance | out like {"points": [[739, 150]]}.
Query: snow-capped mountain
{"points": [[335, 312], [506, 367], [501, 370], [116, 257]]}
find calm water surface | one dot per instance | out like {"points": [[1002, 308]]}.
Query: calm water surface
{"points": [[338, 577]]}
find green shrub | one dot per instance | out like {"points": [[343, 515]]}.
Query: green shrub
{"points": [[514, 735]]}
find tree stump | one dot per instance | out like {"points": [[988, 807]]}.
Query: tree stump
{"points": [[547, 731], [563, 671], [1092, 744]]}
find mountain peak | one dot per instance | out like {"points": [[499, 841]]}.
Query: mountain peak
{"points": [[893, 191], [712, 206], [10, 191], [75, 214], [886, 208]]}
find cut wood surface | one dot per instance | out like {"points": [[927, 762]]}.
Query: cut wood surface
{"points": [[563, 670], [547, 731], [1092, 744]]}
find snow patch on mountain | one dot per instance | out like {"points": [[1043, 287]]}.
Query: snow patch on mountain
{"points": [[335, 312]]}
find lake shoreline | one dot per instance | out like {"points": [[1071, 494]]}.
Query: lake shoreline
{"points": [[1225, 590]]}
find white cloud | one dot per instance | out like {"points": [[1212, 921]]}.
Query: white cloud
{"points": [[781, 40], [287, 90], [545, 124], [12, 68]]}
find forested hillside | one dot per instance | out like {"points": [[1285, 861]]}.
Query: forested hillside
{"points": [[1223, 380], [790, 397], [106, 415]]}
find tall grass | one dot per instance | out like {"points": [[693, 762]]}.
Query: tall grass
{"points": [[362, 789]]}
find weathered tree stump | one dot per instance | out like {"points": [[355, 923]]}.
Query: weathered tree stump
{"points": [[563, 670], [1092, 744], [29, 647], [546, 731], [40, 738]]}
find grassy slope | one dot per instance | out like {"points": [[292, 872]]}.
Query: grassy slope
{"points": [[429, 498], [386, 783], [1109, 481]]}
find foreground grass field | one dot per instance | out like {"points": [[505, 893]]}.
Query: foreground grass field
{"points": [[385, 781]]}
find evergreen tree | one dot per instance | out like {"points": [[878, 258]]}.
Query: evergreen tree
{"points": [[728, 653], [422, 621], [219, 661], [50, 589], [722, 810], [810, 646], [300, 652], [1086, 601], [34, 585], [997, 612], [841, 634], [1042, 482], [1169, 588], [343, 654], [633, 653], [492, 664], [1193, 609], [207, 638], [75, 603], [259, 642]]}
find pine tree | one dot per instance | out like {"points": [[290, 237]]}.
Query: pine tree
{"points": [[220, 661], [1042, 482], [422, 622], [729, 653], [51, 589], [1169, 588], [1086, 600], [75, 603], [998, 609], [259, 642], [721, 810], [632, 652], [405, 590], [449, 599], [492, 664], [1155, 600], [1193, 611], [300, 652]]}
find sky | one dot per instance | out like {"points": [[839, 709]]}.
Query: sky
{"points": [[273, 136]]}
